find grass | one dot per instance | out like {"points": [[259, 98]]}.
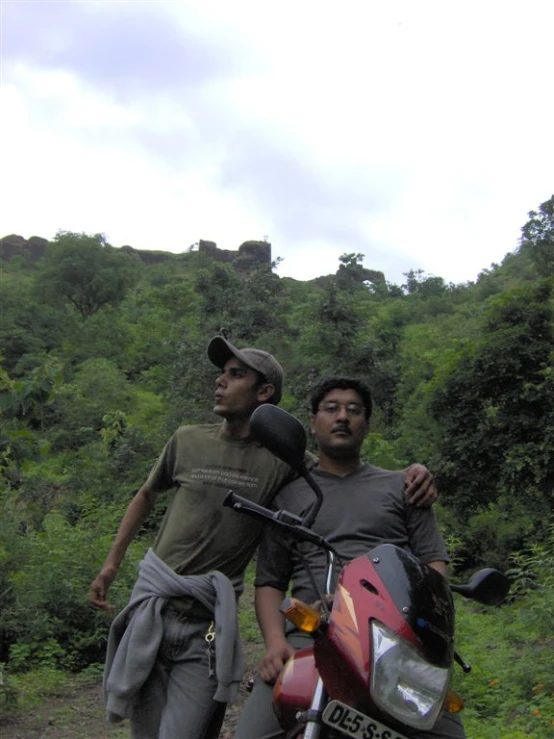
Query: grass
{"points": [[247, 619], [509, 693], [27, 690]]}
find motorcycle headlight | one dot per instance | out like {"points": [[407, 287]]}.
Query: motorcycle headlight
{"points": [[403, 683]]}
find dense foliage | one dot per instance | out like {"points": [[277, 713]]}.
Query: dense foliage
{"points": [[102, 355]]}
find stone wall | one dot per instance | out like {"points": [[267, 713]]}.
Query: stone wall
{"points": [[249, 254]]}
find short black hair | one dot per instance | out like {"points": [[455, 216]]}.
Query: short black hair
{"points": [[334, 382]]}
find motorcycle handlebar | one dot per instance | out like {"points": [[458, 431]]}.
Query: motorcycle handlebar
{"points": [[289, 521]]}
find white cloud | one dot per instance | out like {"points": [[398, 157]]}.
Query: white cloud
{"points": [[416, 133]]}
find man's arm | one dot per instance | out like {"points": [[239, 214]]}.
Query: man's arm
{"points": [[425, 539], [274, 570], [137, 512], [440, 567], [272, 624], [421, 489]]}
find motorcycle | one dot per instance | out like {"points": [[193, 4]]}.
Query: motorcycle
{"points": [[383, 636]]}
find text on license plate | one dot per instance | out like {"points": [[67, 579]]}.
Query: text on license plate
{"points": [[356, 724]]}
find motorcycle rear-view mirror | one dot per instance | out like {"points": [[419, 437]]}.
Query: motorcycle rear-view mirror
{"points": [[284, 436], [281, 433], [487, 586]]}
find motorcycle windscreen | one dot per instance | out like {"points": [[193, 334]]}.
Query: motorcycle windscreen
{"points": [[423, 598]]}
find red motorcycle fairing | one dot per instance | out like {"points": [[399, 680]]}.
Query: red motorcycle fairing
{"points": [[386, 585], [295, 686], [390, 586], [343, 653], [424, 599]]}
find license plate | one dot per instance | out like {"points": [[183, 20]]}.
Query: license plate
{"points": [[356, 724]]}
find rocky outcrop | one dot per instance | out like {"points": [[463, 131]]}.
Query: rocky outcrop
{"points": [[346, 276], [209, 248], [252, 254], [14, 246], [249, 254]]}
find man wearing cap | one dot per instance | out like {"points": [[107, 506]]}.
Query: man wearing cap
{"points": [[165, 668]]}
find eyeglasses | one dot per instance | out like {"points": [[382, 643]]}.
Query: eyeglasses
{"points": [[331, 408]]}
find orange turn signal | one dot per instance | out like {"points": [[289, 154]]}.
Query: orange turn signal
{"points": [[304, 617], [453, 703]]}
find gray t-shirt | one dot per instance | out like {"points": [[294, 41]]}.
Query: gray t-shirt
{"points": [[359, 511]]}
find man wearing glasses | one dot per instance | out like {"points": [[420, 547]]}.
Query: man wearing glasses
{"points": [[363, 506]]}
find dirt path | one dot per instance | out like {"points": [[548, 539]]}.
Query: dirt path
{"points": [[79, 714]]}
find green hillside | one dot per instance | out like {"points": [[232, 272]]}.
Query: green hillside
{"points": [[103, 354]]}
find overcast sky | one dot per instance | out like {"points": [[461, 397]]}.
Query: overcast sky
{"points": [[418, 133]]}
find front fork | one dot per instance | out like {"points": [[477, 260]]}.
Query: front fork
{"points": [[313, 727], [313, 724]]}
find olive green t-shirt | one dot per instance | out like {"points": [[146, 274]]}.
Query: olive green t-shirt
{"points": [[198, 534]]}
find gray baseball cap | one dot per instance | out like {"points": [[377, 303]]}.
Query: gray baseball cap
{"points": [[220, 351]]}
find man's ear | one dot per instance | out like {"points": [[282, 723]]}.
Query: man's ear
{"points": [[266, 392], [312, 424]]}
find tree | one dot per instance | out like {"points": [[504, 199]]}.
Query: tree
{"points": [[87, 272], [339, 325], [418, 283], [97, 388], [538, 238], [352, 273], [495, 410], [244, 304], [28, 327], [26, 398]]}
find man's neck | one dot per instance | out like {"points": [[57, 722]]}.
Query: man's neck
{"points": [[340, 467], [236, 428]]}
